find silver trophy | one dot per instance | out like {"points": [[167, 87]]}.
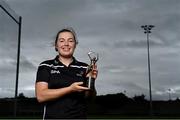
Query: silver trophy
{"points": [[90, 83]]}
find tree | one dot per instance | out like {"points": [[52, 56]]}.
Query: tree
{"points": [[140, 98], [21, 96]]}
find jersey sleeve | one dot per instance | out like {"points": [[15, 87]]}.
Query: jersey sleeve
{"points": [[43, 74]]}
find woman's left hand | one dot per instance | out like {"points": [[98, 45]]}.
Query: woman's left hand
{"points": [[94, 72]]}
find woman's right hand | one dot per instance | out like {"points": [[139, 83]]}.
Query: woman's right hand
{"points": [[77, 87]]}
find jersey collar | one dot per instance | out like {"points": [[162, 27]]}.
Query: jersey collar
{"points": [[57, 62]]}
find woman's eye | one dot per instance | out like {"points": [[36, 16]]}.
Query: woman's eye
{"points": [[61, 40], [71, 40]]}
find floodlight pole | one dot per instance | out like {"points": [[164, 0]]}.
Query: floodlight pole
{"points": [[9, 14], [17, 68], [147, 31], [18, 56]]}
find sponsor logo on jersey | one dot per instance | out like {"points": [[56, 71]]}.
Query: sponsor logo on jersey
{"points": [[80, 74], [55, 72]]}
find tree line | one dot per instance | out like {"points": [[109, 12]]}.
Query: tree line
{"points": [[103, 106]]}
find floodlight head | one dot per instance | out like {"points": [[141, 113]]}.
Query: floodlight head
{"points": [[151, 26], [142, 26]]}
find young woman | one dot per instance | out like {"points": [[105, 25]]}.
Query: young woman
{"points": [[60, 81]]}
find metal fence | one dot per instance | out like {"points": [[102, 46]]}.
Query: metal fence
{"points": [[10, 33]]}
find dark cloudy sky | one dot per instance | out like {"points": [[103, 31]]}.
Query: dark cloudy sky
{"points": [[109, 27]]}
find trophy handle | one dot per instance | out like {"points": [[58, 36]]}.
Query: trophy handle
{"points": [[94, 58]]}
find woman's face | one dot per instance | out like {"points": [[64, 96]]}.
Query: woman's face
{"points": [[66, 44]]}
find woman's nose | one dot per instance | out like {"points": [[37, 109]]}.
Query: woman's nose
{"points": [[66, 43]]}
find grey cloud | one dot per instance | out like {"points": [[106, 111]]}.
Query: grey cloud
{"points": [[5, 92], [7, 75], [8, 65], [26, 65]]}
